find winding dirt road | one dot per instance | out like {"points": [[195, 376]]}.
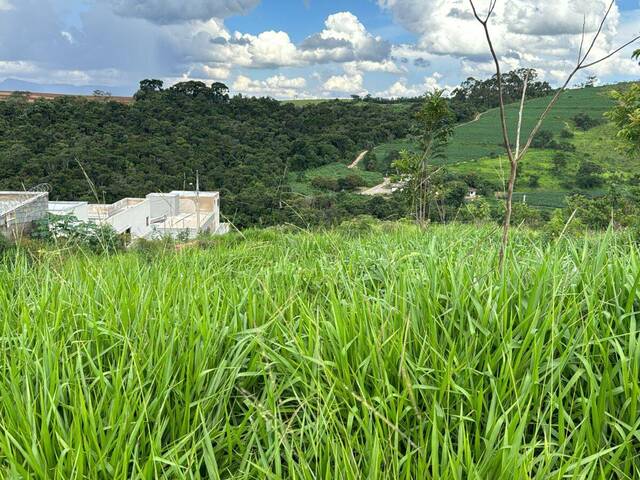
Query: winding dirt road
{"points": [[358, 159]]}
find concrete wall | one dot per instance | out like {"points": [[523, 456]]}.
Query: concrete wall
{"points": [[80, 210], [136, 219], [163, 205], [20, 219]]}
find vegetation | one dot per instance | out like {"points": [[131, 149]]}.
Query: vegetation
{"points": [[373, 351], [243, 147], [416, 169], [626, 114]]}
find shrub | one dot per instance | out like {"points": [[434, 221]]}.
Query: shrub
{"points": [[560, 161], [351, 182], [588, 175], [585, 122], [567, 134], [70, 230], [325, 183], [544, 139]]}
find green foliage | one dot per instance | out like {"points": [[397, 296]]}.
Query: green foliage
{"points": [[5, 244], [626, 115], [543, 139], [560, 160], [325, 183], [351, 182], [588, 175], [392, 354], [435, 127], [585, 122], [475, 96], [69, 230], [243, 147]]}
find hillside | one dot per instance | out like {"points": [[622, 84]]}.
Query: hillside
{"points": [[252, 150], [476, 147], [380, 352]]}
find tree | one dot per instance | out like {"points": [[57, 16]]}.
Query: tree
{"points": [[219, 92], [585, 122], [626, 115], [435, 121], [148, 86], [588, 175], [560, 161], [191, 88], [583, 62]]}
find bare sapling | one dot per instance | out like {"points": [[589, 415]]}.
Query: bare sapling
{"points": [[515, 156]]}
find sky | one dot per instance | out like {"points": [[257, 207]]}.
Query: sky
{"points": [[305, 48]]}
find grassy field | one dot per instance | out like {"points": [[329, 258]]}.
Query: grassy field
{"points": [[302, 183], [393, 353]]}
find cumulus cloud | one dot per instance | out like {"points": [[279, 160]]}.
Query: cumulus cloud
{"points": [[344, 39], [345, 84], [5, 5], [537, 33], [277, 86], [177, 11], [402, 87]]}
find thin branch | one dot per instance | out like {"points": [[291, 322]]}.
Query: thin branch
{"points": [[617, 50], [520, 113], [595, 38], [503, 115], [584, 26]]}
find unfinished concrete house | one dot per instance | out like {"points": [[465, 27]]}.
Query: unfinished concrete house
{"points": [[178, 213], [19, 211]]}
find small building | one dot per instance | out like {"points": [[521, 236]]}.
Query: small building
{"points": [[472, 195], [20, 210]]}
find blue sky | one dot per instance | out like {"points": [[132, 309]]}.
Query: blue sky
{"points": [[301, 48]]}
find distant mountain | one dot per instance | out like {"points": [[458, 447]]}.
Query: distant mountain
{"points": [[13, 85]]}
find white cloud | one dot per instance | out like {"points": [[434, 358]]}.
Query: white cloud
{"points": [[402, 88], [67, 36], [345, 84], [277, 86], [177, 11], [543, 34], [5, 5]]}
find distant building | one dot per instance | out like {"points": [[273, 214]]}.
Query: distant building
{"points": [[472, 195], [19, 211], [157, 215], [33, 96]]}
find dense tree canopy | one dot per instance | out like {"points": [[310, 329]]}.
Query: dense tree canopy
{"points": [[243, 147], [475, 96]]}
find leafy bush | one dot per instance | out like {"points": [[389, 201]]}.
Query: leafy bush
{"points": [[68, 229], [585, 122], [567, 134], [351, 182], [544, 139], [588, 175], [560, 160], [325, 183]]}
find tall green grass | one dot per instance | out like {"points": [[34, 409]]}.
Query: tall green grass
{"points": [[390, 354]]}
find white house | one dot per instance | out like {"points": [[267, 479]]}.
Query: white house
{"points": [[157, 215]]}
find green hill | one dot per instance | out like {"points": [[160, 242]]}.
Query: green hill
{"points": [[477, 146]]}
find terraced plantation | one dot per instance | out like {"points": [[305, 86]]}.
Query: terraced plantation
{"points": [[476, 147]]}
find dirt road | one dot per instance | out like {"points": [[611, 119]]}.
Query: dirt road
{"points": [[358, 159]]}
